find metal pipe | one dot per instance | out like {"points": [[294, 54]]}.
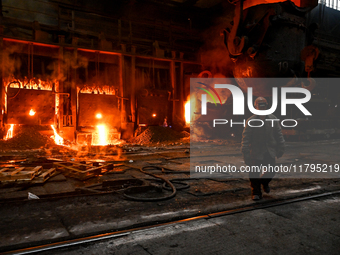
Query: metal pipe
{"points": [[123, 98], [59, 93], [104, 52]]}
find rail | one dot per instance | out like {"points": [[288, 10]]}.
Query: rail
{"points": [[101, 237]]}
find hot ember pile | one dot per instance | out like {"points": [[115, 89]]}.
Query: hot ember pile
{"points": [[26, 137], [156, 134]]}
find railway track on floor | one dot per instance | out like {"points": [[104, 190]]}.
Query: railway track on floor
{"points": [[72, 243]]}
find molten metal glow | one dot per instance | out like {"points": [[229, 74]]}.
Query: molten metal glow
{"points": [[187, 112], [105, 136], [32, 112], [10, 132], [154, 115], [102, 135], [99, 116], [57, 138]]}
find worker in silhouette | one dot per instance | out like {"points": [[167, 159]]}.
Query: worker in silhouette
{"points": [[260, 145]]}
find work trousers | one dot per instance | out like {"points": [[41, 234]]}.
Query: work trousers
{"points": [[257, 178]]}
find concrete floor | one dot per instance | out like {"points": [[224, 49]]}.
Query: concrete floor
{"points": [[55, 218], [308, 227]]}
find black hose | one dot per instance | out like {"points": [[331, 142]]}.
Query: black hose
{"points": [[165, 170], [173, 188], [167, 185], [183, 185]]}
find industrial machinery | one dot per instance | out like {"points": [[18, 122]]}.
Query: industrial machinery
{"points": [[290, 39]]}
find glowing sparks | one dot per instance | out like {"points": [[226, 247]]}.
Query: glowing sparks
{"points": [[99, 116], [102, 135], [187, 112], [32, 112], [57, 138], [154, 115], [10, 132]]}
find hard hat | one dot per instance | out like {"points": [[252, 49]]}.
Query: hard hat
{"points": [[260, 101]]}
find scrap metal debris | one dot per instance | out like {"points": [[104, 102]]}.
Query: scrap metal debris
{"points": [[26, 137], [156, 134]]}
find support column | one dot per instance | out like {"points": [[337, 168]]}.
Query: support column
{"points": [[182, 99], [2, 86], [60, 87], [68, 104], [173, 86], [121, 91], [133, 86], [73, 94]]}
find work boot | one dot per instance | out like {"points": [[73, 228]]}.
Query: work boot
{"points": [[266, 188], [256, 197]]}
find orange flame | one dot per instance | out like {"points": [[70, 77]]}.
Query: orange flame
{"points": [[57, 138], [107, 90], [30, 84], [102, 135], [187, 112], [10, 132], [99, 116], [105, 136], [32, 112]]}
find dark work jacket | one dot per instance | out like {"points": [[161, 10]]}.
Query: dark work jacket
{"points": [[259, 140]]}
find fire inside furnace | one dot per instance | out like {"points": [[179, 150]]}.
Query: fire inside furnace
{"points": [[187, 112], [32, 112], [9, 134], [102, 136], [30, 84], [57, 138]]}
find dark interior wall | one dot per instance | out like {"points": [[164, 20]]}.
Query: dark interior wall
{"points": [[168, 25]]}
